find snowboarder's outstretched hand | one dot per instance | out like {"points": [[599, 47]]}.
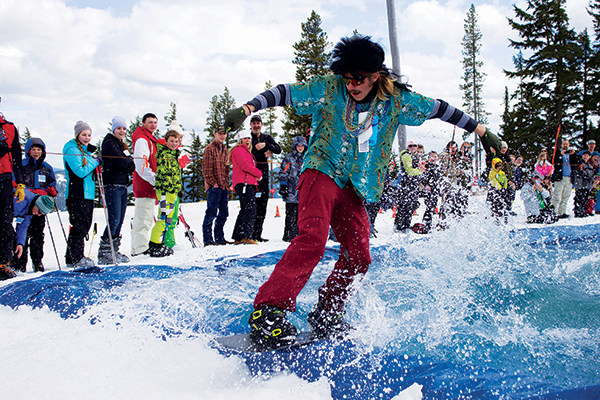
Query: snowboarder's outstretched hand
{"points": [[234, 119]]}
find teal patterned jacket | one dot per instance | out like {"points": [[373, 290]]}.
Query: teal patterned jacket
{"points": [[333, 148]]}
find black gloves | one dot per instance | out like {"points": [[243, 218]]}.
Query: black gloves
{"points": [[283, 190], [234, 119]]}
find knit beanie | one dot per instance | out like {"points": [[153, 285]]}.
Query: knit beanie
{"points": [[118, 122], [45, 204], [175, 127], [81, 126]]}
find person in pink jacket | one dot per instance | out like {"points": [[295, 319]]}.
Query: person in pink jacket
{"points": [[245, 180]]}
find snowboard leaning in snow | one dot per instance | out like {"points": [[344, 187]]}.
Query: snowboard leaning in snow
{"points": [[244, 343]]}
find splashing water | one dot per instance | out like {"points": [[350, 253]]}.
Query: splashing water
{"points": [[476, 311]]}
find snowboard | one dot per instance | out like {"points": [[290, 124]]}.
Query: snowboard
{"points": [[244, 343]]}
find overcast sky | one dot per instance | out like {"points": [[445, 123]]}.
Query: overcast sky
{"points": [[70, 60]]}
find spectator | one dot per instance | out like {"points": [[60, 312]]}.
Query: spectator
{"points": [[537, 200], [39, 178], [583, 179], [216, 183], [80, 193], [289, 175], [456, 172], [561, 178], [117, 171], [498, 197], [263, 147], [10, 164], [591, 147], [542, 166], [144, 176], [34, 205], [168, 184], [431, 189], [408, 186], [595, 162], [245, 180]]}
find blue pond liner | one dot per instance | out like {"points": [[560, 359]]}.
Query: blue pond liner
{"points": [[380, 373]]}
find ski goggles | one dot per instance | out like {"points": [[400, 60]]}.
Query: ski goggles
{"points": [[353, 81]]}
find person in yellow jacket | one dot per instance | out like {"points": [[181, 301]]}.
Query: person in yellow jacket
{"points": [[498, 197]]}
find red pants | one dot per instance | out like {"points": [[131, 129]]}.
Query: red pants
{"points": [[321, 203]]}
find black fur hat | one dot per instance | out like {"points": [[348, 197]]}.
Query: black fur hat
{"points": [[357, 53]]}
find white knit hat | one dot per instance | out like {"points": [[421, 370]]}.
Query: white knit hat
{"points": [[175, 127], [244, 134]]}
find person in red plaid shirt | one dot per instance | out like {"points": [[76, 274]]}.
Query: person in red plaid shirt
{"points": [[216, 183]]}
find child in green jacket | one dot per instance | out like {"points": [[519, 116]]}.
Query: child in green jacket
{"points": [[168, 185]]}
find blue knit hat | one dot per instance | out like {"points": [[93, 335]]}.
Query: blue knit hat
{"points": [[45, 204], [118, 122]]}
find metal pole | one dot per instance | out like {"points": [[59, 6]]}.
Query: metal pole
{"points": [[391, 11]]}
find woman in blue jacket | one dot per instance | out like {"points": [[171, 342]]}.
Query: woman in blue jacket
{"points": [[80, 168]]}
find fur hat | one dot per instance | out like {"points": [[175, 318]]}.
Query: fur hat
{"points": [[81, 126], [45, 204], [357, 53]]}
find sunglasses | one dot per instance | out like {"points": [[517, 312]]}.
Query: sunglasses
{"points": [[354, 82], [412, 145]]}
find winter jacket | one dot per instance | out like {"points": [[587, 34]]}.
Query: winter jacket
{"points": [[409, 173], [533, 199], [557, 175], [291, 166], [583, 176], [22, 215], [432, 177], [214, 166], [168, 170], [497, 178], [244, 166], [81, 179], [544, 169], [259, 155], [457, 170], [145, 163], [10, 152], [118, 167], [37, 174]]}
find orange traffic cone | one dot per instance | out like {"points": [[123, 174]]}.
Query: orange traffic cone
{"points": [[277, 212], [415, 212], [395, 211], [380, 210]]}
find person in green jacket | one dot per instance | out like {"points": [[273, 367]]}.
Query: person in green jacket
{"points": [[168, 185]]}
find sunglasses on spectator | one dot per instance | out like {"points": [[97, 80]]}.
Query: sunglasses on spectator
{"points": [[412, 145]]}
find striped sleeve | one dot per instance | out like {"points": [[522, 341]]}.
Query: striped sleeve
{"points": [[278, 96], [452, 115]]}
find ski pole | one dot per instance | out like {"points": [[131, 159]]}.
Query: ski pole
{"points": [[101, 185], [93, 236], [63, 230], [53, 244]]}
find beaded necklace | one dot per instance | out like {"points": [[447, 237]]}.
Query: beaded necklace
{"points": [[347, 117]]}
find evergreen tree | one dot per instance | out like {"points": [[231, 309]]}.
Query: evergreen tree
{"points": [[312, 59], [193, 171], [594, 71], [217, 110], [23, 138], [549, 76], [473, 76]]}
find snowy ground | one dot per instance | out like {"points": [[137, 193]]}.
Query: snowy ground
{"points": [[46, 357]]}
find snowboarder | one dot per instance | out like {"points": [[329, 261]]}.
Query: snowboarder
{"points": [[355, 114]]}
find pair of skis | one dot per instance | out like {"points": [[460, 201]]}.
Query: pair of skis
{"points": [[188, 231]]}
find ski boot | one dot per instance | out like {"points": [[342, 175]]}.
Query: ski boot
{"points": [[121, 258], [327, 324], [6, 272], [157, 250], [38, 267], [84, 263], [270, 327]]}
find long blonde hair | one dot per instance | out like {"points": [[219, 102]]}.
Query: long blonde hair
{"points": [[239, 143], [84, 161]]}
